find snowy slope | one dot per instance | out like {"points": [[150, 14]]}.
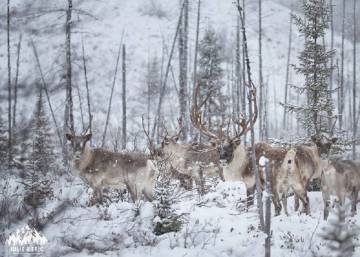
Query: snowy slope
{"points": [[102, 24], [216, 225]]}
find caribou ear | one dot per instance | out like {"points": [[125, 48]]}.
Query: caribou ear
{"points": [[176, 138], [313, 138], [69, 136], [88, 136]]}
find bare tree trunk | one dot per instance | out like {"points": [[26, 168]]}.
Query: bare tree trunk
{"points": [[331, 43], [183, 94], [16, 81], [69, 98], [354, 84], [237, 71], [341, 98], [124, 138], [268, 211], [81, 107], [251, 94], [288, 69], [111, 95], [243, 100], [196, 44], [163, 87], [86, 85], [9, 85], [261, 93], [46, 92]]}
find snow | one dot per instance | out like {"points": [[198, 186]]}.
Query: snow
{"points": [[216, 224]]}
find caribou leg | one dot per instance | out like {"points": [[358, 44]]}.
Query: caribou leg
{"points": [[354, 196], [250, 196], [297, 202]]}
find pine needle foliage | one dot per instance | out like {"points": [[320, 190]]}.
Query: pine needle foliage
{"points": [[41, 165], [339, 236], [314, 66], [166, 219]]}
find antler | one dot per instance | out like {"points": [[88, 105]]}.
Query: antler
{"points": [[196, 114], [243, 123], [151, 142]]}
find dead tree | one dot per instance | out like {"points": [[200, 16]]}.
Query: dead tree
{"points": [[123, 138], [86, 84], [9, 85], [261, 86], [164, 82], [45, 87], [288, 70], [183, 56], [341, 89], [243, 95], [238, 79], [16, 81], [69, 115], [354, 83], [331, 43], [251, 94], [111, 96], [268, 211]]}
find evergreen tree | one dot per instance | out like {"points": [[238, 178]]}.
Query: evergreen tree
{"points": [[210, 77], [41, 164], [43, 155], [3, 141], [314, 59], [166, 220], [339, 236]]}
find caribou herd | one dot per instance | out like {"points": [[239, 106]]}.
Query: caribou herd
{"points": [[225, 157]]}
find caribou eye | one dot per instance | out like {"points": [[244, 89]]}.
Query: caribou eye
{"points": [[289, 161]]}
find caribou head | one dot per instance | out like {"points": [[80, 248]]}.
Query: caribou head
{"points": [[225, 144], [79, 143], [323, 142]]}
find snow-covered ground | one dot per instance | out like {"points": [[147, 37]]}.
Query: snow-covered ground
{"points": [[216, 224]]}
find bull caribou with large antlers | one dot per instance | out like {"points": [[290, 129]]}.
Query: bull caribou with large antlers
{"points": [[233, 156]]}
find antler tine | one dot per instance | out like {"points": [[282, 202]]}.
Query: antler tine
{"points": [[243, 123], [181, 125], [196, 114], [151, 143]]}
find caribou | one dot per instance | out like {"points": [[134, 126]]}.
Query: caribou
{"points": [[101, 168], [301, 165], [341, 179], [233, 157]]}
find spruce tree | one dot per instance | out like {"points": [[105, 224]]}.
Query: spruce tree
{"points": [[43, 153], [3, 141], [210, 77], [41, 164], [339, 236], [313, 65], [166, 219]]}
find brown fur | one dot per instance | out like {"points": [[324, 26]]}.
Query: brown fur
{"points": [[340, 178], [102, 168]]}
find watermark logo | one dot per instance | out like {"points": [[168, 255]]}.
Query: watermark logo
{"points": [[26, 241]]}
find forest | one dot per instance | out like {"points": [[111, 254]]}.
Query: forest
{"points": [[179, 127]]}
